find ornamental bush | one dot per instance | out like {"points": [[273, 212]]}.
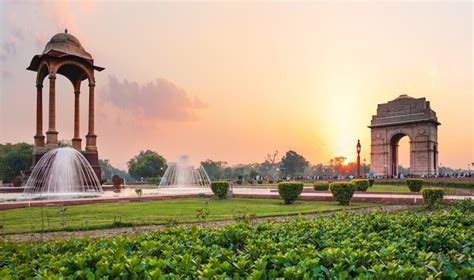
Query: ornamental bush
{"points": [[220, 188], [414, 185], [371, 182], [321, 186], [432, 197], [361, 184], [290, 191], [342, 191]]}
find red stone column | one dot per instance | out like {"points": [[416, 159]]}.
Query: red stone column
{"points": [[76, 141], [39, 137], [91, 137], [52, 134]]}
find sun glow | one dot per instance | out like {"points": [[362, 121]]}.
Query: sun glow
{"points": [[346, 161]]}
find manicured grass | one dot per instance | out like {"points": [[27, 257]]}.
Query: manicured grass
{"points": [[404, 188], [107, 215]]}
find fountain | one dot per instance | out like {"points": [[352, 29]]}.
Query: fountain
{"points": [[63, 172], [182, 174]]}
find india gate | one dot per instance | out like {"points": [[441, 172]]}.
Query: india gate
{"points": [[404, 116], [65, 55]]}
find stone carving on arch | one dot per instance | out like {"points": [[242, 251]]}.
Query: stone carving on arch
{"points": [[404, 117]]}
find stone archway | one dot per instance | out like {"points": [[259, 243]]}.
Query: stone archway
{"points": [[394, 155], [404, 116]]}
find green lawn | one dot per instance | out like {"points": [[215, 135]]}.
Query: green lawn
{"points": [[107, 215], [404, 188]]}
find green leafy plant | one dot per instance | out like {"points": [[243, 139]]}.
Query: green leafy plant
{"points": [[361, 184], [464, 205], [203, 213], [432, 197], [321, 186], [220, 188], [371, 182], [139, 193], [259, 182], [62, 214], [342, 191], [414, 185], [290, 191]]}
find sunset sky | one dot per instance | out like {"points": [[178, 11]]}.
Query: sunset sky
{"points": [[235, 81]]}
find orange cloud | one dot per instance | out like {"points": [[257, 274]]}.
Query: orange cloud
{"points": [[160, 100]]}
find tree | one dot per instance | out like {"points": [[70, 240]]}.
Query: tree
{"points": [[14, 158], [293, 164], [64, 143], [147, 164], [214, 169], [109, 171], [337, 164], [269, 166]]}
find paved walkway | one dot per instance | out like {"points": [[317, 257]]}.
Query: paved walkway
{"points": [[20, 201]]}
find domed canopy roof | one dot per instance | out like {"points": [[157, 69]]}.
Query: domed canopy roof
{"points": [[66, 44], [404, 96]]}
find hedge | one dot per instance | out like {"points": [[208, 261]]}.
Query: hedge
{"points": [[414, 185], [361, 184], [432, 197], [321, 186], [290, 191], [342, 191], [220, 188], [466, 184]]}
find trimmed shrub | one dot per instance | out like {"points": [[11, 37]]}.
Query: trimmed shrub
{"points": [[371, 182], [239, 182], [259, 182], [290, 191], [321, 186], [361, 184], [342, 191], [220, 188], [432, 197], [270, 182], [414, 185]]}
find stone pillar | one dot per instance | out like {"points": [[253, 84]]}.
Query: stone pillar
{"points": [[76, 141], [52, 134], [39, 137], [91, 137]]}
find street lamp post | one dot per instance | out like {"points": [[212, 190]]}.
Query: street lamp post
{"points": [[358, 158]]}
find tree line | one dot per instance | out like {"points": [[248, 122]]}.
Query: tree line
{"points": [[16, 158]]}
